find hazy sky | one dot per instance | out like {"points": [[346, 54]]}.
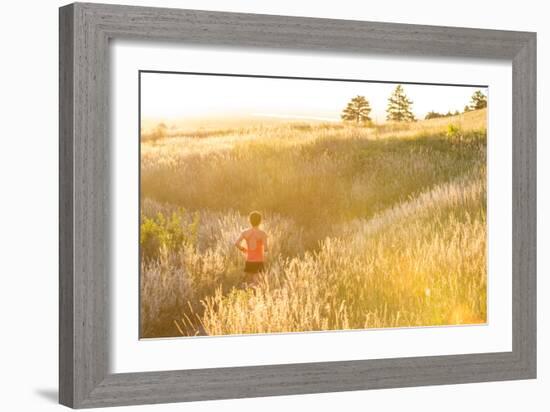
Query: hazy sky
{"points": [[179, 96]]}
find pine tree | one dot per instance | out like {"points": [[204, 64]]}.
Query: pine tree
{"points": [[357, 110], [399, 106], [479, 101]]}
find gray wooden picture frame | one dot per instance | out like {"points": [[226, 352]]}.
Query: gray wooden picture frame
{"points": [[85, 32]]}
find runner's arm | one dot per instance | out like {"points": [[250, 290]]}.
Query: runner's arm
{"points": [[238, 243]]}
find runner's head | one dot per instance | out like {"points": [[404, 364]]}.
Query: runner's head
{"points": [[255, 218]]}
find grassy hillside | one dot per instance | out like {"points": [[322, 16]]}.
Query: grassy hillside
{"points": [[369, 227]]}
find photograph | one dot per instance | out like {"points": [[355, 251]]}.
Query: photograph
{"points": [[271, 204]]}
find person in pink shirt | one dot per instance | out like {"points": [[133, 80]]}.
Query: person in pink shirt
{"points": [[256, 247]]}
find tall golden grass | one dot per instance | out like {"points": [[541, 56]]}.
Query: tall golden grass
{"points": [[369, 227]]}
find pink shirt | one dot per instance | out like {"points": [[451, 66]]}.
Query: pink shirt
{"points": [[255, 243]]}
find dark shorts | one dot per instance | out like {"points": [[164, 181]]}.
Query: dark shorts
{"points": [[253, 267]]}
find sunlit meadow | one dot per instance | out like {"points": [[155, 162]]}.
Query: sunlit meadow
{"points": [[369, 227]]}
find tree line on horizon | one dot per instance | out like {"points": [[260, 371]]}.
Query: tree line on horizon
{"points": [[399, 108]]}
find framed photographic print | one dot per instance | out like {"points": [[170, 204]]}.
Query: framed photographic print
{"points": [[256, 205]]}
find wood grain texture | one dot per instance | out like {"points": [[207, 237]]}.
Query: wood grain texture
{"points": [[85, 31], [66, 229], [524, 208]]}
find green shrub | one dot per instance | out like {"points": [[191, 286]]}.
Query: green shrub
{"points": [[167, 233], [454, 131]]}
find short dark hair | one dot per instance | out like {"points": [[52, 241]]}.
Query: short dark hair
{"points": [[255, 218]]}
